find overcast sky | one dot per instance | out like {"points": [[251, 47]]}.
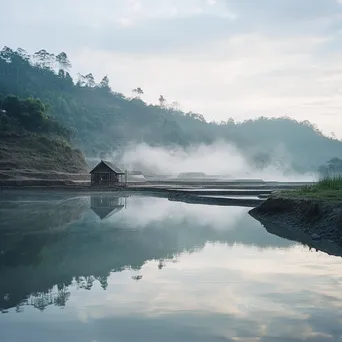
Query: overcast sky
{"points": [[222, 58]]}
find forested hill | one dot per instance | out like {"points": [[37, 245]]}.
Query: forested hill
{"points": [[101, 119]]}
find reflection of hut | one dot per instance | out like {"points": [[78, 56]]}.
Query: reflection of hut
{"points": [[106, 206], [161, 264], [105, 173]]}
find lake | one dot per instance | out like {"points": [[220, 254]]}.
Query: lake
{"points": [[102, 268]]}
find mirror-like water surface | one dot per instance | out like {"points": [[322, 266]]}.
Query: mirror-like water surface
{"points": [[105, 268]]}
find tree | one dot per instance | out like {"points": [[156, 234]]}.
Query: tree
{"points": [[62, 296], [63, 61], [138, 91], [33, 114], [197, 116], [68, 79], [162, 101], [23, 54], [43, 59], [89, 80], [61, 73], [230, 121], [7, 54], [29, 115], [104, 84], [175, 105], [11, 104], [104, 282], [81, 82]]}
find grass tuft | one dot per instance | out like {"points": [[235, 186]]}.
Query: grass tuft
{"points": [[334, 183], [326, 189]]}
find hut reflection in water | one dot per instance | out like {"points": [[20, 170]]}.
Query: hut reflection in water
{"points": [[105, 206]]}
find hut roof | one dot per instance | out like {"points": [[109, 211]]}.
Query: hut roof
{"points": [[106, 212], [111, 166]]}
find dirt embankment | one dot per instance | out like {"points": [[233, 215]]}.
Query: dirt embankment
{"points": [[39, 158], [321, 220]]}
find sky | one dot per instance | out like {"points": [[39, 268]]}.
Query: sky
{"points": [[222, 58]]}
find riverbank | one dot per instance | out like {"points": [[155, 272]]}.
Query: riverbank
{"points": [[246, 193], [224, 193], [81, 182], [313, 210]]}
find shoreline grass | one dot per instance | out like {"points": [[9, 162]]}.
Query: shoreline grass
{"points": [[329, 189]]}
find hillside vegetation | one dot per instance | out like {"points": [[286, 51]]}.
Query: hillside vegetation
{"points": [[101, 120], [34, 144]]}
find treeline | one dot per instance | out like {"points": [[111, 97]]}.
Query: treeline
{"points": [[103, 120]]}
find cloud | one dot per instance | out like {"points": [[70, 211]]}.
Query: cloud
{"points": [[223, 58], [285, 15], [125, 26]]}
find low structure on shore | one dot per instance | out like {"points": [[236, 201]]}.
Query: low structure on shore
{"points": [[107, 174]]}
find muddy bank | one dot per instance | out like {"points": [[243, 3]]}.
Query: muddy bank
{"points": [[42, 183], [226, 189], [194, 199], [39, 157], [319, 220], [234, 192]]}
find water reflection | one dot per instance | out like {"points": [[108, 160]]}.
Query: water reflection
{"points": [[159, 270], [43, 262], [104, 206], [328, 247]]}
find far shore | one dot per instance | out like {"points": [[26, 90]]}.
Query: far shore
{"points": [[152, 183], [185, 190], [224, 193]]}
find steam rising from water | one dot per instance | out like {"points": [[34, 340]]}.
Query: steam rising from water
{"points": [[218, 159]]}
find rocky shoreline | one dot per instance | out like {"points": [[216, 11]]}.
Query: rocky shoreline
{"points": [[318, 219]]}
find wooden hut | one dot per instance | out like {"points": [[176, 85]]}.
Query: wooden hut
{"points": [[107, 174]]}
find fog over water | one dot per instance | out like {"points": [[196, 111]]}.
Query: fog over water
{"points": [[219, 159]]}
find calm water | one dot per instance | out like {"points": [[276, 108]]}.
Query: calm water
{"points": [[146, 269]]}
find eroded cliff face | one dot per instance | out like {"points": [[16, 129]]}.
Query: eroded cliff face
{"points": [[40, 158], [319, 219]]}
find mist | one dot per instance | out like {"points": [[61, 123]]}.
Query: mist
{"points": [[218, 159]]}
